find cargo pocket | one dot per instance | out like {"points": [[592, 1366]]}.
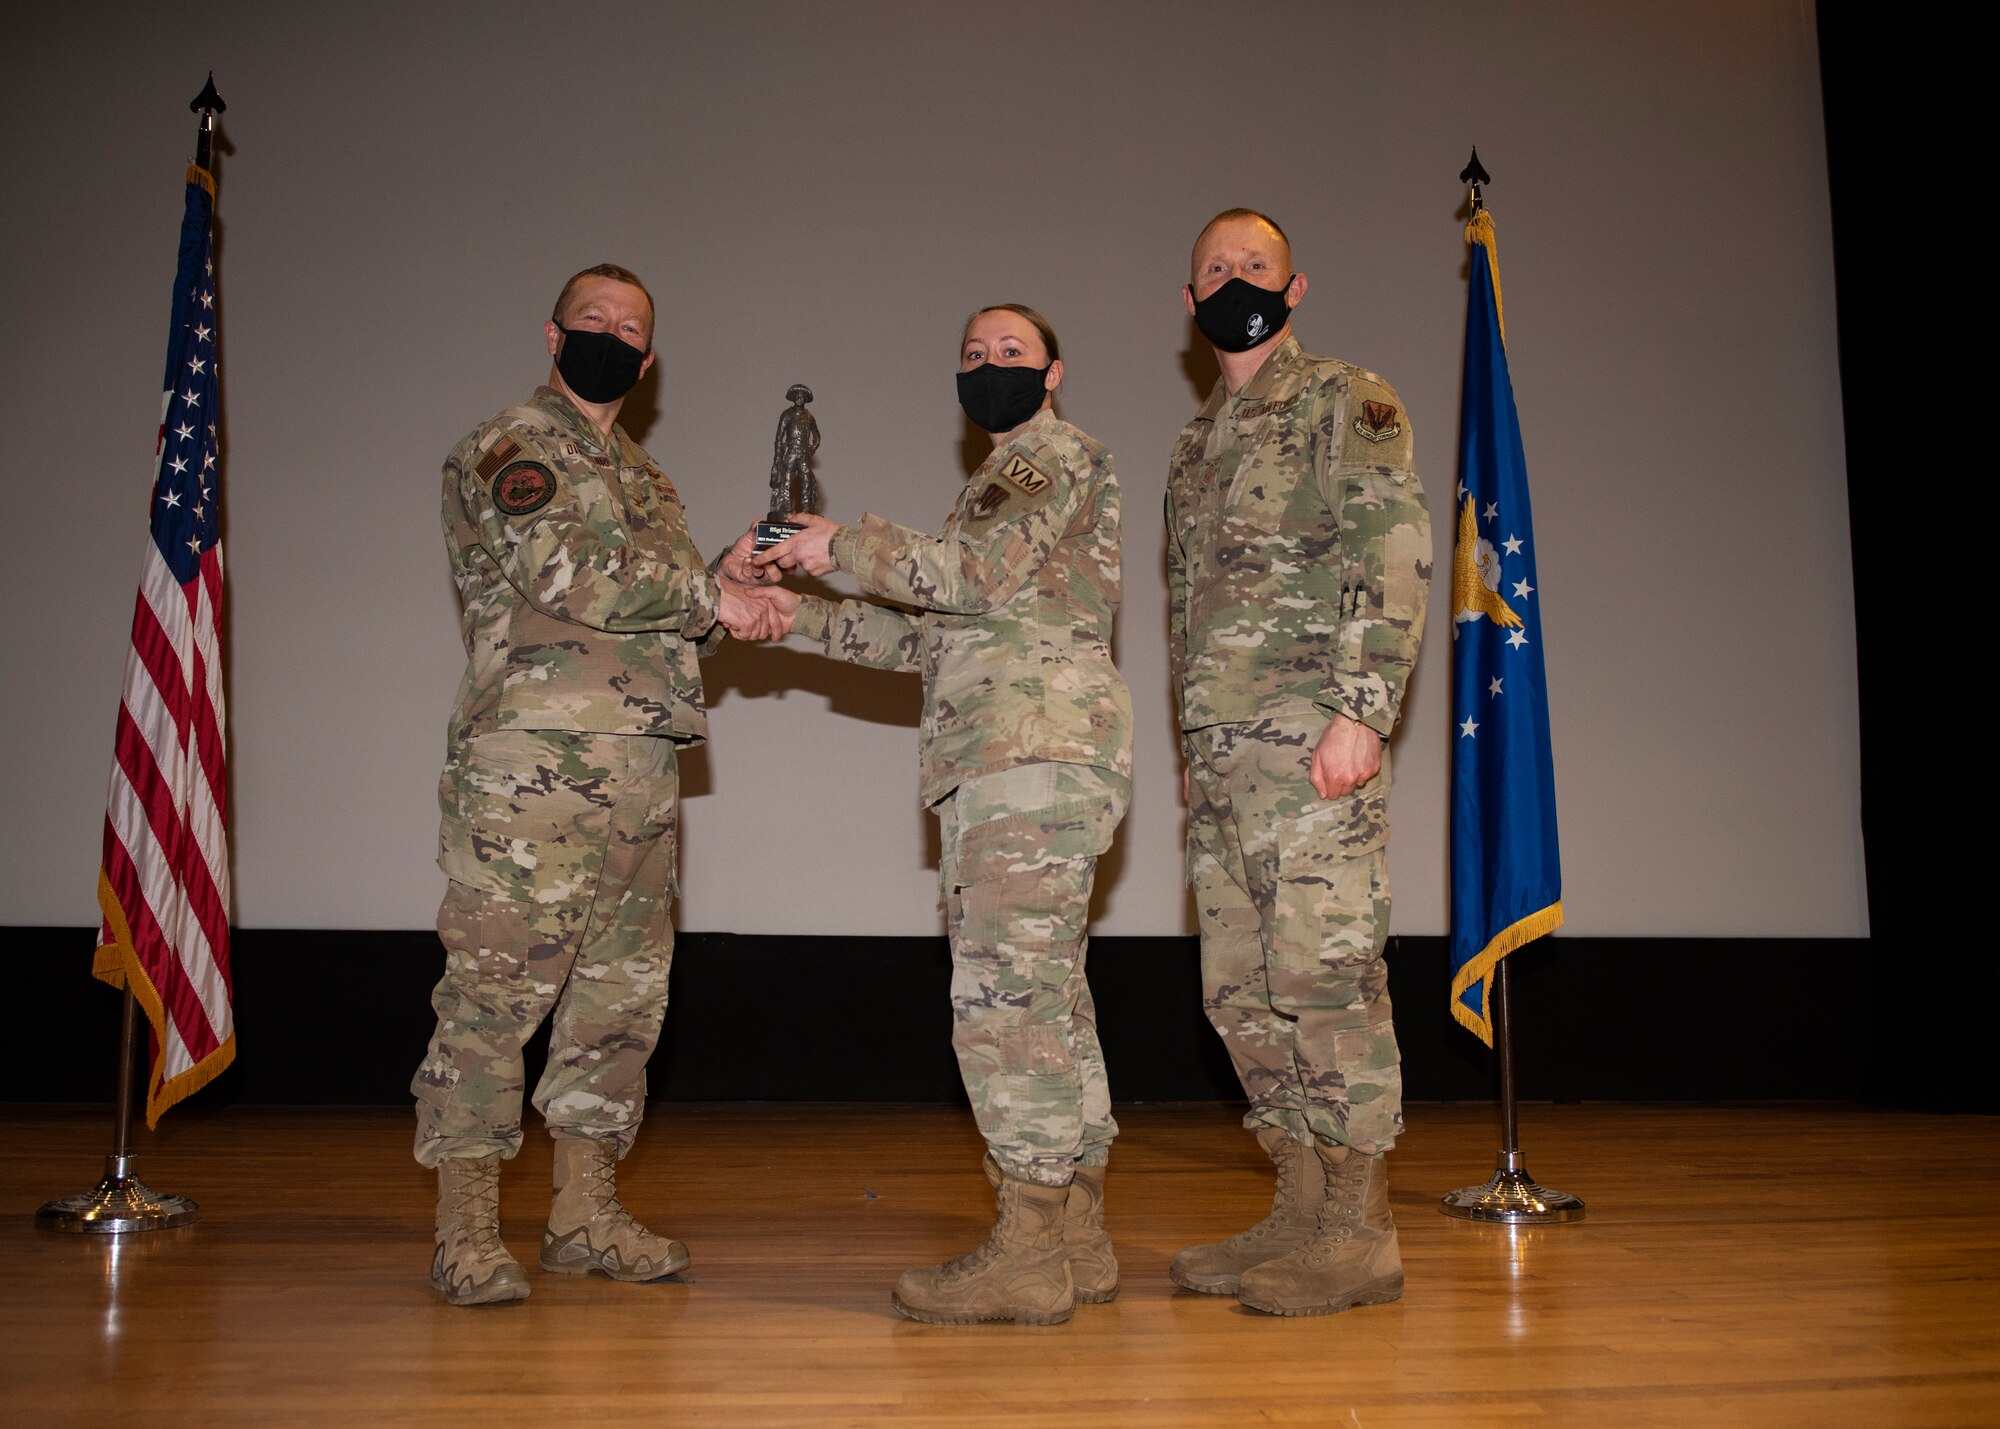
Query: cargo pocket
{"points": [[512, 826], [1329, 908], [436, 1082], [1062, 831]]}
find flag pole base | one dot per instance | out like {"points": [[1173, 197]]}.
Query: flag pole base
{"points": [[1512, 1197], [118, 1203]]}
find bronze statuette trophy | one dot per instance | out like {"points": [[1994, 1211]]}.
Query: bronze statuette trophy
{"points": [[793, 486]]}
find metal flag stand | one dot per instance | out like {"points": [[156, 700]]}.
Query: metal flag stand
{"points": [[120, 1201], [1511, 1196]]}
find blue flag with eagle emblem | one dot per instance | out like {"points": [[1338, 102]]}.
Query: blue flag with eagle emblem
{"points": [[1506, 869]]}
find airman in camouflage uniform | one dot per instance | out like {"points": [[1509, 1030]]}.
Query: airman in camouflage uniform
{"points": [[583, 601], [1026, 755], [1298, 563]]}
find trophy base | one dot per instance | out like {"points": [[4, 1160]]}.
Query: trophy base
{"points": [[770, 533]]}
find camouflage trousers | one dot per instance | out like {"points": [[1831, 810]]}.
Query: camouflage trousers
{"points": [[1292, 892], [560, 851], [1020, 852]]}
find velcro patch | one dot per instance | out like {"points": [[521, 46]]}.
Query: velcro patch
{"points": [[1377, 422], [991, 499], [1024, 474], [523, 488], [502, 452]]}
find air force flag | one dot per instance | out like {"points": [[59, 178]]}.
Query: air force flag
{"points": [[1506, 870]]}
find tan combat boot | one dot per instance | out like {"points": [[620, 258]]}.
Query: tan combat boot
{"points": [[1020, 1274], [1218, 1268], [589, 1230], [1352, 1259], [1092, 1266], [470, 1265]]}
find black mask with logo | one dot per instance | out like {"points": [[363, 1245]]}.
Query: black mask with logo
{"points": [[1239, 314], [999, 398], [598, 366]]}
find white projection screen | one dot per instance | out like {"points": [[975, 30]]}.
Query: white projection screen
{"points": [[820, 193]]}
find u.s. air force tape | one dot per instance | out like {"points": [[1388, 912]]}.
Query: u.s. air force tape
{"points": [[523, 488], [1024, 474]]}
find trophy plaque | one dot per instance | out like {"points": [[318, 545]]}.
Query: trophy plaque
{"points": [[793, 486]]}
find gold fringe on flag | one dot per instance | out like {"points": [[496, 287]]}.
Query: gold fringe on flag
{"points": [[1480, 968], [117, 963], [1480, 231]]}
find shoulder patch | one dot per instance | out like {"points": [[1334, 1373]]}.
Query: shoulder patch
{"points": [[523, 488], [497, 456], [991, 499], [1377, 422], [1024, 474]]}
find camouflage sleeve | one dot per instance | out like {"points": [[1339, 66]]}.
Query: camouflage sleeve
{"points": [[708, 644], [1010, 526], [1368, 477], [1176, 601], [567, 567], [861, 632]]}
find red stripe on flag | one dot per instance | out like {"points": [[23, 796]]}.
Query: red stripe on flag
{"points": [[162, 662], [157, 959], [186, 863]]}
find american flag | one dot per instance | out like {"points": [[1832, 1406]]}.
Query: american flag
{"points": [[164, 886]]}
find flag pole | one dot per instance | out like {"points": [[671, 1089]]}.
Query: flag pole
{"points": [[120, 1201], [1510, 1196]]}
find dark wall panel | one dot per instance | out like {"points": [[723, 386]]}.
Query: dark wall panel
{"points": [[331, 1017]]}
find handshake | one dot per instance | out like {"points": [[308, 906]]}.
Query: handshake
{"points": [[754, 605]]}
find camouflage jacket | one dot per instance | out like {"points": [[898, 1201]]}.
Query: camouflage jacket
{"points": [[1298, 548], [581, 591], [1012, 608]]}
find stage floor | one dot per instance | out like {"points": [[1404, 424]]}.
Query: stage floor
{"points": [[1739, 1266]]}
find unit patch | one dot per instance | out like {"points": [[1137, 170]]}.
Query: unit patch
{"points": [[1377, 422], [523, 488], [990, 500], [501, 452], [1023, 474]]}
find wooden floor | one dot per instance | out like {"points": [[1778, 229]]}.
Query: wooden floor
{"points": [[1784, 1266]]}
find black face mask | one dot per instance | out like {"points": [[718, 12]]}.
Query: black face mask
{"points": [[1239, 315], [1001, 398], [598, 366]]}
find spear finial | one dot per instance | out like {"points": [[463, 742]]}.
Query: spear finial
{"points": [[207, 104], [1475, 174]]}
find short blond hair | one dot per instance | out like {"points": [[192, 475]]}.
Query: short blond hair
{"points": [[1233, 213], [603, 270]]}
